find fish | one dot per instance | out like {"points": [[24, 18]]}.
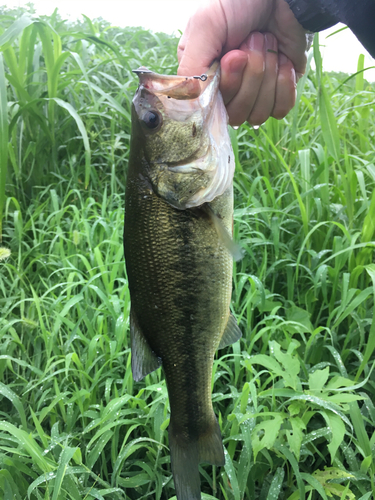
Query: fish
{"points": [[178, 255]]}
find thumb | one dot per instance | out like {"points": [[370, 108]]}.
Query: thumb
{"points": [[202, 41]]}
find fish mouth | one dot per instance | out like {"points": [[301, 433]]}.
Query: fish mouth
{"points": [[176, 87]]}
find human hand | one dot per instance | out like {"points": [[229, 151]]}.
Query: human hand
{"points": [[258, 70]]}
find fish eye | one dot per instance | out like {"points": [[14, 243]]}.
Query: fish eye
{"points": [[151, 119]]}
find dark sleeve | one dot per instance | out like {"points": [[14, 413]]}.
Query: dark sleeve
{"points": [[359, 16]]}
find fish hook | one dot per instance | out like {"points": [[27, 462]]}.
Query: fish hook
{"points": [[202, 77]]}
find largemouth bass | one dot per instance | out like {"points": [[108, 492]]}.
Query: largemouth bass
{"points": [[178, 222]]}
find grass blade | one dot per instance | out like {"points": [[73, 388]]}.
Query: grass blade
{"points": [[8, 393], [73, 113], [276, 485], [370, 345], [65, 457], [13, 31], [3, 140]]}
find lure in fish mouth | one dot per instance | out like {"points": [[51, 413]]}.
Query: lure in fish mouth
{"points": [[177, 234], [190, 112]]}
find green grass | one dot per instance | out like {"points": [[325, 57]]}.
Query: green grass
{"points": [[294, 397]]}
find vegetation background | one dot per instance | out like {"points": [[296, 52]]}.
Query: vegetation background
{"points": [[294, 397]]}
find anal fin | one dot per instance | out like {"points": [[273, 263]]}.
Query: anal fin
{"points": [[144, 360], [231, 333]]}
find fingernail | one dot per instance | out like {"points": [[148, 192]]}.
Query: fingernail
{"points": [[256, 42], [282, 59], [271, 43], [293, 77]]}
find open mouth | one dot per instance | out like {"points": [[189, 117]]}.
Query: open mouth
{"points": [[176, 87]]}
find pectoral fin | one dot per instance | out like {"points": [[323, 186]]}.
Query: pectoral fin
{"points": [[225, 238], [144, 360], [231, 333]]}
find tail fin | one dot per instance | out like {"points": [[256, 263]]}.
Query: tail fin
{"points": [[185, 461], [185, 458]]}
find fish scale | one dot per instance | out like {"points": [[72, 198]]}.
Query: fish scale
{"points": [[180, 282]]}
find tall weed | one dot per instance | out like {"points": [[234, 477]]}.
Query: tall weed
{"points": [[294, 397]]}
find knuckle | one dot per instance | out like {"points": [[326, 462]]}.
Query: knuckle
{"points": [[258, 68]]}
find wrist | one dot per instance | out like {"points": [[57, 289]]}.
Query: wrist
{"points": [[313, 16]]}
